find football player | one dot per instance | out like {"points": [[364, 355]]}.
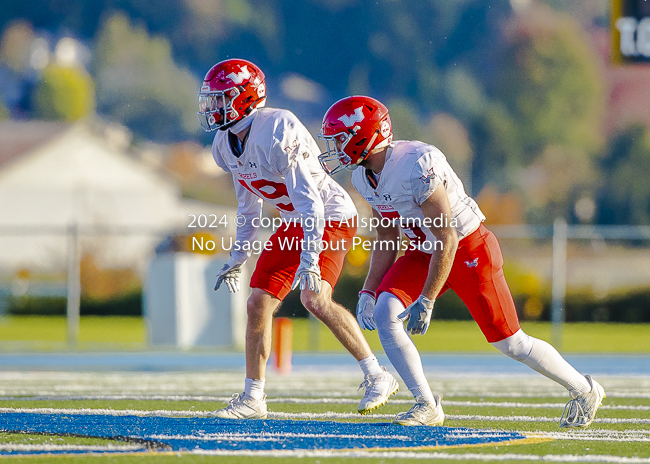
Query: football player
{"points": [[272, 157], [412, 187]]}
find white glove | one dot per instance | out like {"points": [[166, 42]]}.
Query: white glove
{"points": [[419, 315], [229, 274], [308, 275], [365, 308]]}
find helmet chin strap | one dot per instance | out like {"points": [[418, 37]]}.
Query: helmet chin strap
{"points": [[243, 123], [366, 151]]}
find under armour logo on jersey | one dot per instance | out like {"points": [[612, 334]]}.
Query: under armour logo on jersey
{"points": [[387, 197], [252, 164], [356, 117], [240, 76], [472, 263]]}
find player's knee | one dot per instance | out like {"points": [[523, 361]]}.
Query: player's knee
{"points": [[385, 316], [313, 302], [381, 315], [256, 307], [518, 346]]}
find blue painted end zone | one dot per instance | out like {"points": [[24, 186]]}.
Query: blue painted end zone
{"points": [[187, 434]]}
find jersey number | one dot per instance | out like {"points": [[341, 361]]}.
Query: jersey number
{"points": [[269, 190], [415, 234]]}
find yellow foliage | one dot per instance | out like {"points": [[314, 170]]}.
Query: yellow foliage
{"points": [[66, 94], [183, 161], [500, 208], [103, 284], [357, 256], [526, 288]]}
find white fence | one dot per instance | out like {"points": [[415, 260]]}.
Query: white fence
{"points": [[560, 233], [144, 240]]}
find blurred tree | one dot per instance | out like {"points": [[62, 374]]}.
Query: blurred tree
{"points": [[53, 15], [4, 114], [624, 194], [554, 181], [515, 75], [404, 119], [100, 284], [15, 43], [549, 83], [500, 208], [451, 137], [546, 92], [183, 161], [139, 85], [588, 12], [64, 94], [194, 170]]}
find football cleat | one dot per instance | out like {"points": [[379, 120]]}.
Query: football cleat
{"points": [[378, 388], [581, 410], [243, 406], [423, 413]]}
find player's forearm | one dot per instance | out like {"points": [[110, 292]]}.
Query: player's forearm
{"points": [[313, 229], [307, 201]]}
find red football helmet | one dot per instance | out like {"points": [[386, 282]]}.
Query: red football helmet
{"points": [[352, 127], [231, 90]]}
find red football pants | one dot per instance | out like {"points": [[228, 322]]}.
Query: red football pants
{"points": [[476, 276], [277, 266]]}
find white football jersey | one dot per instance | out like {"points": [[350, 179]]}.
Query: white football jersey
{"points": [[279, 165], [411, 173]]}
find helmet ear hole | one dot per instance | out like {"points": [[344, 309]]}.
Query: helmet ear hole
{"points": [[361, 142]]}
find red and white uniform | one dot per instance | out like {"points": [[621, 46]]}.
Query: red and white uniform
{"points": [[279, 165], [411, 173], [413, 170]]}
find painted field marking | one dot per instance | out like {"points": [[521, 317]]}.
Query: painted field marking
{"points": [[184, 434], [43, 447], [336, 415], [299, 415]]}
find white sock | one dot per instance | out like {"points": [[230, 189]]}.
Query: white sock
{"points": [[542, 357], [370, 365], [399, 347], [254, 388], [423, 391]]}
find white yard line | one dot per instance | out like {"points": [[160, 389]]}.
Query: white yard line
{"points": [[593, 458], [596, 435], [109, 412], [302, 400], [48, 447], [542, 419], [334, 415], [316, 383]]}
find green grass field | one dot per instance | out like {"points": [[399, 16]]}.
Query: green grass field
{"points": [[530, 404], [443, 336], [465, 336], [620, 434]]}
